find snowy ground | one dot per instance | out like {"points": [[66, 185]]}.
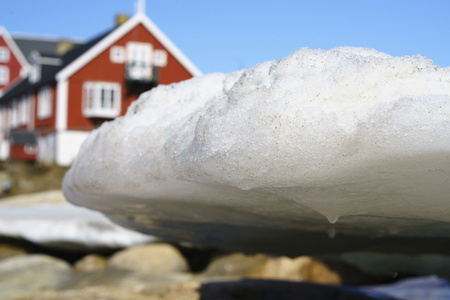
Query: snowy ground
{"points": [[46, 218]]}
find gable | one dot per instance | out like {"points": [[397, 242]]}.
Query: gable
{"points": [[11, 69], [15, 52], [118, 33]]}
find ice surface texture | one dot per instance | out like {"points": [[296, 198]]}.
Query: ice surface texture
{"points": [[66, 226], [351, 135]]}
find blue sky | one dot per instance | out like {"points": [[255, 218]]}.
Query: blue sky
{"points": [[225, 35]]}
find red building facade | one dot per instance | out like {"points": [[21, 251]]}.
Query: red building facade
{"points": [[12, 63], [65, 97]]}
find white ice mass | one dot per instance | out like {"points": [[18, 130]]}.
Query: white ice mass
{"points": [[350, 136]]}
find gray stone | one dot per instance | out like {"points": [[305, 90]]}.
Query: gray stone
{"points": [[170, 291], [9, 251], [23, 274], [90, 263], [260, 266], [150, 259]]}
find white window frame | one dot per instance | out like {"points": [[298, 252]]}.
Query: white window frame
{"points": [[160, 58], [117, 54], [44, 103], [101, 99], [14, 114], [4, 74], [23, 110], [140, 53], [4, 54]]}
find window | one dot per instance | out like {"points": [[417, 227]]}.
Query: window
{"points": [[139, 61], [35, 71], [160, 58], [44, 105], [4, 54], [23, 110], [139, 53], [117, 54], [4, 74], [14, 118], [101, 99]]}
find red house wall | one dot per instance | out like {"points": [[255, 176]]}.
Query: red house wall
{"points": [[18, 152], [44, 126], [102, 69], [13, 64]]}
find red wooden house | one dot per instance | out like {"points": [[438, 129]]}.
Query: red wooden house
{"points": [[13, 65], [50, 113]]}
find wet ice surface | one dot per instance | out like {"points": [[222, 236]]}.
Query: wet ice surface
{"points": [[343, 143], [64, 226]]}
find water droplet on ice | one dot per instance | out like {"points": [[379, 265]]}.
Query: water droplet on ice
{"points": [[393, 230], [331, 231]]}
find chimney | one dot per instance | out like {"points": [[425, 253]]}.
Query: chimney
{"points": [[121, 18], [63, 46]]}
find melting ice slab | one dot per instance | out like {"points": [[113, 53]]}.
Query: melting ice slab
{"points": [[349, 141]]}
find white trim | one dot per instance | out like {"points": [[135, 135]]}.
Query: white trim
{"points": [[24, 110], [160, 58], [62, 94], [32, 100], [4, 80], [14, 48], [35, 67], [67, 145], [6, 51], [44, 102], [117, 54], [106, 42]]}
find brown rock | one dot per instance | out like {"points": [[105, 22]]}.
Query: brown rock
{"points": [[264, 267], [184, 291], [90, 263], [9, 251], [150, 259], [236, 265], [23, 274], [302, 268]]}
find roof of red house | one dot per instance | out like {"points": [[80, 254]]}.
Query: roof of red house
{"points": [[46, 46], [48, 72]]}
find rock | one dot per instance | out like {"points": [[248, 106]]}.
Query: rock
{"points": [[90, 263], [183, 291], [44, 197], [23, 274], [264, 267], [9, 251], [302, 268], [5, 183], [150, 259], [236, 265]]}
